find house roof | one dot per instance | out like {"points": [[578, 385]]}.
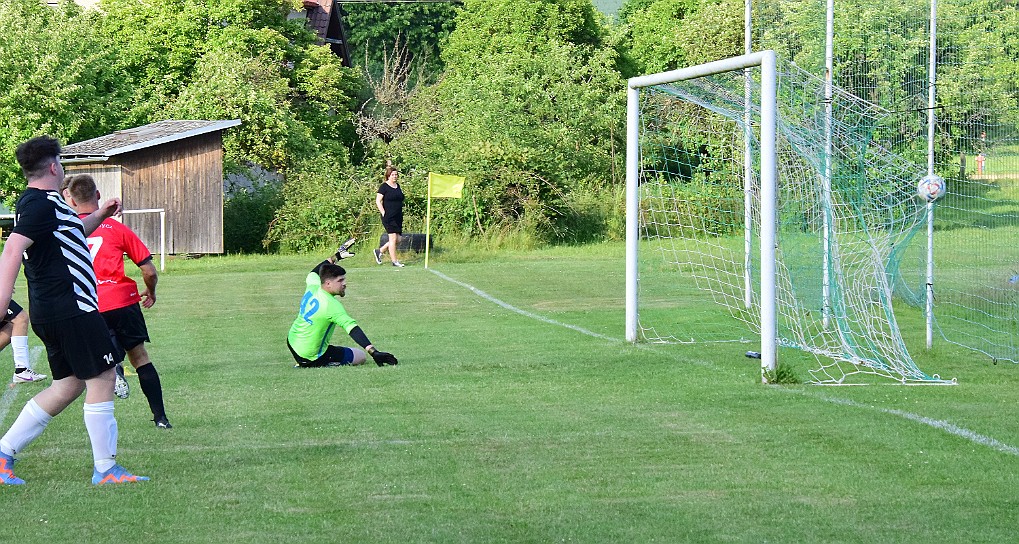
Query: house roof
{"points": [[133, 139], [319, 13]]}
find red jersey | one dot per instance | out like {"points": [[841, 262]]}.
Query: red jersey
{"points": [[108, 244]]}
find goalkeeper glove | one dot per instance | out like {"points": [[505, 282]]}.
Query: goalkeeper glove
{"points": [[383, 358], [344, 251]]}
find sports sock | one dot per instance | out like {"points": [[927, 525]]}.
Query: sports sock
{"points": [[148, 378], [102, 432], [30, 424], [19, 345]]}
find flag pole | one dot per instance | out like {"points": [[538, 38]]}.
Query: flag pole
{"points": [[428, 219]]}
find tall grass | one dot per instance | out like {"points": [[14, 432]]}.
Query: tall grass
{"points": [[503, 425]]}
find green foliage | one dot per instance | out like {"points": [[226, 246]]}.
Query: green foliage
{"points": [[228, 59], [375, 28], [530, 105], [231, 85], [54, 81], [670, 34], [247, 215], [323, 203], [783, 374]]}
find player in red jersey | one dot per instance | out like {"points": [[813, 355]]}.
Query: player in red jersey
{"points": [[120, 302]]}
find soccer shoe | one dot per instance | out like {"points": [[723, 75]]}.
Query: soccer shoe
{"points": [[116, 475], [7, 476], [378, 256], [398, 264], [163, 423], [121, 388], [28, 375]]}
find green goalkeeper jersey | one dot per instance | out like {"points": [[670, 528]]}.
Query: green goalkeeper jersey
{"points": [[319, 314]]}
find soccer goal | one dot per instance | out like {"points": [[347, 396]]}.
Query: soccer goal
{"points": [[758, 209]]}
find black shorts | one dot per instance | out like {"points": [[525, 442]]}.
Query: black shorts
{"points": [[80, 346], [127, 325], [334, 356], [13, 309], [393, 225]]}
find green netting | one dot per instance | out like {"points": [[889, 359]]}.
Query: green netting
{"points": [[881, 53], [696, 247]]}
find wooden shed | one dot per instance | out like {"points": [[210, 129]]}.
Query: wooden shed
{"points": [[172, 165]]}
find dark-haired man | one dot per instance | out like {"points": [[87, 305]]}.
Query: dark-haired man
{"points": [[50, 238], [318, 316]]}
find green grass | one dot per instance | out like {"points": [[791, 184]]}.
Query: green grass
{"points": [[500, 427]]}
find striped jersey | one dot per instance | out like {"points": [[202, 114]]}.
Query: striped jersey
{"points": [[58, 268]]}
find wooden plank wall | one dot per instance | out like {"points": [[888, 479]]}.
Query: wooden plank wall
{"points": [[185, 178], [105, 174]]}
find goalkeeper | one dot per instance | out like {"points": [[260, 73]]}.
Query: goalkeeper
{"points": [[319, 314]]}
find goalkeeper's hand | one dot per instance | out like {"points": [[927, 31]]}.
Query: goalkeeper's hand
{"points": [[383, 358]]}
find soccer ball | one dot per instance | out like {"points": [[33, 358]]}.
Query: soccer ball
{"points": [[931, 187]]}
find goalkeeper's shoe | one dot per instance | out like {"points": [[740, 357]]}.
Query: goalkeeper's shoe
{"points": [[121, 388], [116, 475], [28, 375], [7, 476], [344, 250]]}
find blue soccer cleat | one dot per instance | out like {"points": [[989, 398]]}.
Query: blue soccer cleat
{"points": [[116, 475], [7, 476]]}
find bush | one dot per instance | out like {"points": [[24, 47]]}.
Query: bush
{"points": [[247, 214], [322, 204]]}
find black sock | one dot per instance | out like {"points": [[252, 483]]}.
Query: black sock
{"points": [[20, 369], [148, 378]]}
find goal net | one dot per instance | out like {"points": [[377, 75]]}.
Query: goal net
{"points": [[699, 214]]}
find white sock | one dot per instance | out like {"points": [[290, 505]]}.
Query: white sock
{"points": [[30, 424], [102, 432], [20, 346]]}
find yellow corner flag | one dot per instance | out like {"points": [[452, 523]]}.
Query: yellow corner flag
{"points": [[445, 186]]}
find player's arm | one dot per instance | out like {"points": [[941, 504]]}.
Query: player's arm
{"points": [[108, 209], [320, 265], [378, 203], [10, 265], [149, 277], [380, 357]]}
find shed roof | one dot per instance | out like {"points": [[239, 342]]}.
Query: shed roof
{"points": [[133, 139]]}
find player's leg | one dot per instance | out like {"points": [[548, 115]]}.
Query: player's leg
{"points": [[39, 410], [148, 378], [341, 356], [14, 330], [19, 346], [94, 360], [130, 332]]}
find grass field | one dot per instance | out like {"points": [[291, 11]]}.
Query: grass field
{"points": [[517, 414]]}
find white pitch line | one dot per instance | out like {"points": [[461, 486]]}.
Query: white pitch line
{"points": [[525, 313], [946, 426], [10, 392]]}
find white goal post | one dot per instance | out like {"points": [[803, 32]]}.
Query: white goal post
{"points": [[766, 60]]}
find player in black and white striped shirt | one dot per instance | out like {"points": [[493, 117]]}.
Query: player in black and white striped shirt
{"points": [[65, 312]]}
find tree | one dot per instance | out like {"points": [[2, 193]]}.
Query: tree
{"points": [[376, 29], [530, 106], [56, 81]]}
